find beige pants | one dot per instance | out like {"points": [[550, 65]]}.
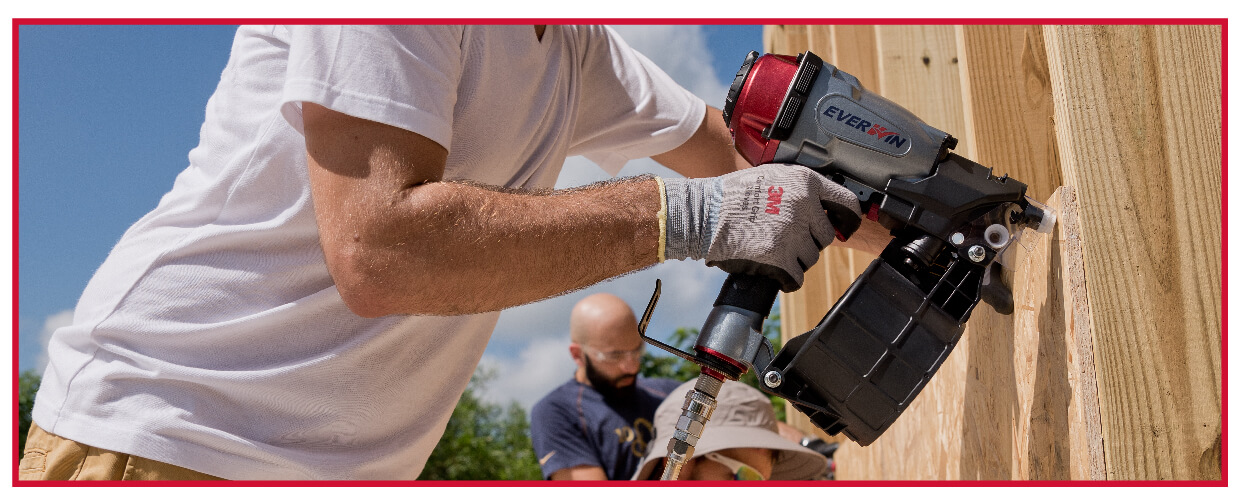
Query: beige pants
{"points": [[51, 457]]}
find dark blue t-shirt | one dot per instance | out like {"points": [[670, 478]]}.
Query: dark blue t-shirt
{"points": [[574, 425]]}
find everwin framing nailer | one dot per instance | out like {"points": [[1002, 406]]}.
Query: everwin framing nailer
{"points": [[951, 220]]}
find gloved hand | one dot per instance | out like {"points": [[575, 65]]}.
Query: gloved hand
{"points": [[768, 220]]}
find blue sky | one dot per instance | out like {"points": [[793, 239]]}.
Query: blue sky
{"points": [[107, 115]]}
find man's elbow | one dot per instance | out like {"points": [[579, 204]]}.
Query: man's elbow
{"points": [[364, 303], [361, 284]]}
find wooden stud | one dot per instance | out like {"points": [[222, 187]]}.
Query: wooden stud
{"points": [[1007, 98], [918, 70], [855, 53], [1137, 112], [779, 38]]}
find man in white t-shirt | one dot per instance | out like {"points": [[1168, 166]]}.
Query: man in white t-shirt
{"points": [[310, 298]]}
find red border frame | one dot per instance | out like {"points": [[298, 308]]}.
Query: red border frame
{"points": [[1222, 22]]}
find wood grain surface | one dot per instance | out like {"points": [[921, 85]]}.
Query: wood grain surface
{"points": [[1137, 111], [1006, 91], [1015, 427]]}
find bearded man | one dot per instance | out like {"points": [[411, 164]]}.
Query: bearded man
{"points": [[598, 424]]}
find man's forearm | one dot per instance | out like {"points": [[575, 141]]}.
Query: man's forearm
{"points": [[448, 248], [708, 153]]}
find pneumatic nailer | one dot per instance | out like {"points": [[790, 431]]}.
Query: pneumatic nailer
{"points": [[950, 218]]}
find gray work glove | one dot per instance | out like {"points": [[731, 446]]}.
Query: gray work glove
{"points": [[768, 220]]}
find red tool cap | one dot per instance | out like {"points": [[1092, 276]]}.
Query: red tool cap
{"points": [[754, 101]]}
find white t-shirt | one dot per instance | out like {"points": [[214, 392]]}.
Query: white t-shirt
{"points": [[213, 338]]}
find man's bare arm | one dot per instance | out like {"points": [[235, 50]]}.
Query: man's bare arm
{"points": [[399, 240], [708, 153], [580, 473]]}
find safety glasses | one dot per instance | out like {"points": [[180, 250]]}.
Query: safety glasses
{"points": [[616, 355], [741, 471]]}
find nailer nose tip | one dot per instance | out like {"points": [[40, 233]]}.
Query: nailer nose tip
{"points": [[1048, 222]]}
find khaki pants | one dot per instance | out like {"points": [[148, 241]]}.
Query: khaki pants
{"points": [[51, 457]]}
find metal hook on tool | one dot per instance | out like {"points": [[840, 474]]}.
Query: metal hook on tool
{"points": [[646, 319]]}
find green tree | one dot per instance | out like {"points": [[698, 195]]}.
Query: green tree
{"points": [[665, 365], [27, 386], [483, 441]]}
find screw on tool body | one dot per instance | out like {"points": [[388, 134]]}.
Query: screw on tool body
{"points": [[977, 253], [773, 379]]}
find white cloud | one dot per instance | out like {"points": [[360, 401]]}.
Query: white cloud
{"points": [[681, 51], [529, 375]]}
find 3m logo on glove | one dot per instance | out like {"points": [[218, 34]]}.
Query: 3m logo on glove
{"points": [[773, 199]]}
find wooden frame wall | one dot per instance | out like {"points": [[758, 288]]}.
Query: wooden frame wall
{"points": [[1110, 367]]}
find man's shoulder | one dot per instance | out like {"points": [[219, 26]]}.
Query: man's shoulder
{"points": [[567, 392]]}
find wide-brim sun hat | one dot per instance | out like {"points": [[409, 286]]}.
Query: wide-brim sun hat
{"points": [[743, 418]]}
